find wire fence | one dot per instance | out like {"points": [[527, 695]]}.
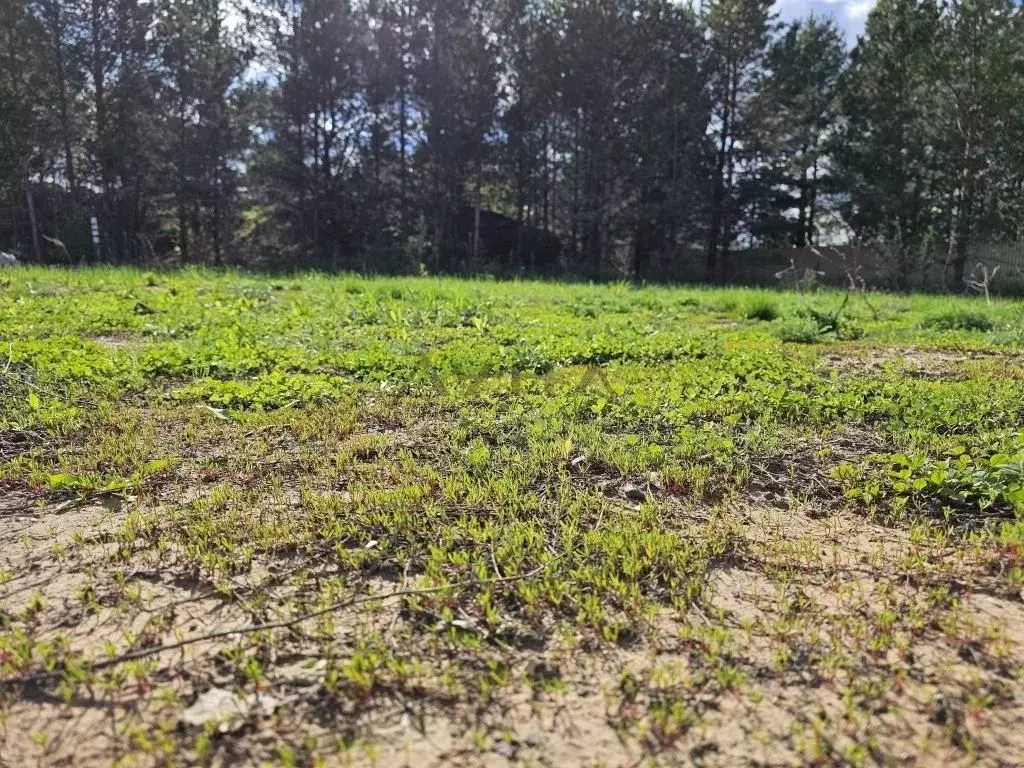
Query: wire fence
{"points": [[1000, 266], [997, 266]]}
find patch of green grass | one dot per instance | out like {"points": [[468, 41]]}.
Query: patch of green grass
{"points": [[959, 320], [549, 476], [762, 308], [799, 329]]}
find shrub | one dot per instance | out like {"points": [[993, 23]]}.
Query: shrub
{"points": [[958, 320], [761, 308], [727, 305], [800, 329], [834, 324], [847, 330]]}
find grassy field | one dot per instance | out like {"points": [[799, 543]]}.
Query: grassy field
{"points": [[344, 521]]}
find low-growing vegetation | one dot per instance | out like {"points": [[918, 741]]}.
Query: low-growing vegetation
{"points": [[333, 520]]}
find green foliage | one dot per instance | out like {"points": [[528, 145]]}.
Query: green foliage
{"points": [[445, 115], [958, 320], [265, 392], [538, 468], [808, 325], [761, 308], [799, 328], [959, 479]]}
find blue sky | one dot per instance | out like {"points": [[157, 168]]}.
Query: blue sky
{"points": [[849, 15]]}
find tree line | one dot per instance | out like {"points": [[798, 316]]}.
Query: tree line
{"points": [[583, 137]]}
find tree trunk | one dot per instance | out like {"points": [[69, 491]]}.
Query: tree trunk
{"points": [[575, 213], [402, 168], [476, 220], [36, 250], [718, 201], [57, 30], [403, 172], [730, 166], [217, 151], [812, 204], [546, 218], [102, 140], [799, 238], [962, 236], [180, 160]]}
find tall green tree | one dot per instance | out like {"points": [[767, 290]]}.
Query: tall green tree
{"points": [[457, 97], [315, 125], [382, 133], [64, 83], [797, 108], [391, 52], [119, 159], [739, 32], [978, 69], [668, 151], [528, 111], [23, 138], [201, 63], [887, 156]]}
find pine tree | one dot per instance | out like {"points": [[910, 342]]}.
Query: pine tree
{"points": [[797, 109], [201, 63], [23, 139], [316, 122], [886, 155], [739, 33], [978, 68]]}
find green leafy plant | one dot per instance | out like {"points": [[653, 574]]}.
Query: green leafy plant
{"points": [[799, 329], [761, 308], [958, 320]]}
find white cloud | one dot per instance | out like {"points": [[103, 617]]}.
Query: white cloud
{"points": [[859, 9], [849, 15]]}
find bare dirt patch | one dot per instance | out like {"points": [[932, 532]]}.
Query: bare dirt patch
{"points": [[36, 537], [114, 342], [885, 636], [919, 363], [828, 639]]}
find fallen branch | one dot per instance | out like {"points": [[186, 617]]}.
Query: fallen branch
{"points": [[981, 284], [282, 624], [854, 275], [839, 312], [60, 246]]}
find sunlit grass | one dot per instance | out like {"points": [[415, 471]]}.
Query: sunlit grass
{"points": [[558, 469]]}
